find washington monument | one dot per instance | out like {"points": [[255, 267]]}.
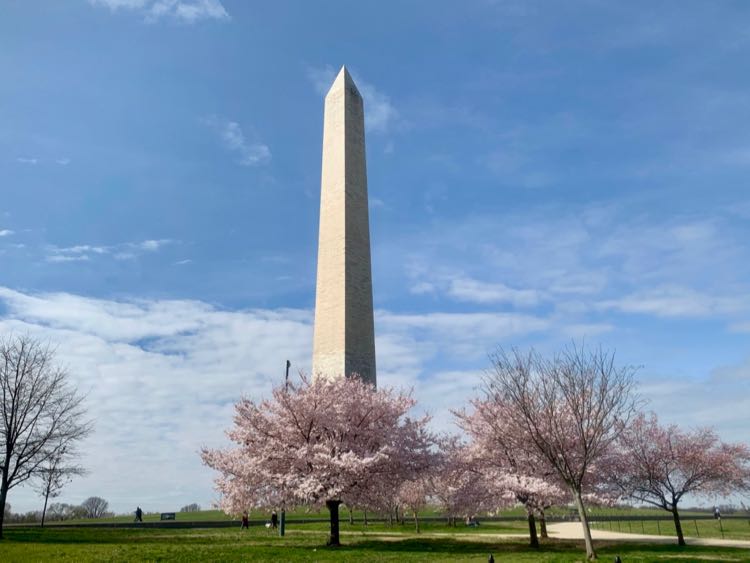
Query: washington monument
{"points": [[344, 340]]}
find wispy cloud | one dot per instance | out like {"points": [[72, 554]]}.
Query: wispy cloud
{"points": [[380, 113], [122, 251], [153, 245], [585, 260], [63, 161], [5, 232], [466, 289], [677, 301], [67, 258], [186, 11], [250, 153], [27, 160]]}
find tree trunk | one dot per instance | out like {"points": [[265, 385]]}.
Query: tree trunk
{"points": [[533, 539], [590, 553], [543, 525], [351, 516], [333, 508], [44, 510], [365, 516], [678, 526], [416, 521], [3, 498]]}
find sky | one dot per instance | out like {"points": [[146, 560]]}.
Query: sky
{"points": [[539, 173]]}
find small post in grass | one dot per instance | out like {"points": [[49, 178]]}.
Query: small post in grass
{"points": [[697, 533], [658, 527], [721, 528]]}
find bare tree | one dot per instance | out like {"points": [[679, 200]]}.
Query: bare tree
{"points": [[95, 507], [571, 407], [55, 473], [194, 507], [41, 412]]}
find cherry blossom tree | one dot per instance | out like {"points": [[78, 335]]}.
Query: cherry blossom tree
{"points": [[510, 465], [571, 408], [454, 483], [413, 495], [659, 465], [316, 442]]}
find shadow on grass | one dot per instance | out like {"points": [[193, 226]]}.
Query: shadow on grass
{"points": [[570, 549]]}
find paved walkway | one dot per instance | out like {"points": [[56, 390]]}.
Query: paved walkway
{"points": [[574, 531]]}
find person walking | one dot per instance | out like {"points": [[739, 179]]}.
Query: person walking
{"points": [[245, 521], [274, 520], [138, 514]]}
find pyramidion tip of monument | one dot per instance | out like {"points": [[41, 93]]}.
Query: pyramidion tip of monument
{"points": [[343, 80]]}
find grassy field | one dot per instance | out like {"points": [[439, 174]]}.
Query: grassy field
{"points": [[306, 543], [519, 512]]}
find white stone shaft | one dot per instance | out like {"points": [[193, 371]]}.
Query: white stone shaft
{"points": [[344, 339]]}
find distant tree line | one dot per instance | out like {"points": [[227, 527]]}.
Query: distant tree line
{"points": [[92, 507]]}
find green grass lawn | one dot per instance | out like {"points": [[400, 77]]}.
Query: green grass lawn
{"points": [[734, 528], [306, 543], [519, 512]]}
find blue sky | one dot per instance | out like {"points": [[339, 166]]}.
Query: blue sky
{"points": [[538, 171]]}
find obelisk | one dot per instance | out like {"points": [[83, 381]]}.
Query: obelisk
{"points": [[344, 339]]}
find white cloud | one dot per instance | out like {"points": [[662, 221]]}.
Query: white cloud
{"points": [[583, 261], [5, 232], [153, 245], [249, 153], [123, 251], [24, 160], [186, 11], [467, 289], [380, 113], [67, 258], [63, 161], [676, 301], [376, 203]]}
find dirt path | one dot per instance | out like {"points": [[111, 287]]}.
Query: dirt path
{"points": [[573, 531]]}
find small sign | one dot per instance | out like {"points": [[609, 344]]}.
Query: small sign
{"points": [[168, 515]]}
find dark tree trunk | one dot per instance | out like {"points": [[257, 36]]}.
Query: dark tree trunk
{"points": [[333, 508], [416, 521], [365, 516], [3, 498], [44, 510], [678, 527], [543, 525], [533, 539], [351, 516]]}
